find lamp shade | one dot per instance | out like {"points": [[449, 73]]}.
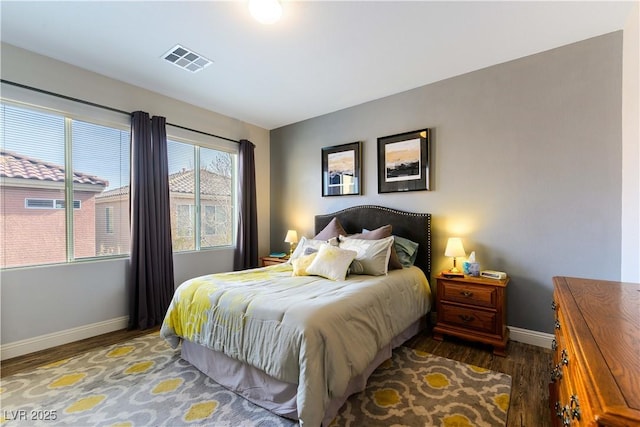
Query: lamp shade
{"points": [[454, 247], [292, 236]]}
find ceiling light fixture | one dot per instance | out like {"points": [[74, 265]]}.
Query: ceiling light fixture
{"points": [[265, 11]]}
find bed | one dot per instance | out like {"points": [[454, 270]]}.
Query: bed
{"points": [[300, 345]]}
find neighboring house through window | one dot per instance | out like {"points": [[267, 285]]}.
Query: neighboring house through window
{"points": [[35, 184]]}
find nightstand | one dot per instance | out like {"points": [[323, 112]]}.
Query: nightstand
{"points": [[473, 308], [269, 260]]}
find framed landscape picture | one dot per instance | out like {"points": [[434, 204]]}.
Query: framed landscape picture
{"points": [[341, 169], [403, 162]]}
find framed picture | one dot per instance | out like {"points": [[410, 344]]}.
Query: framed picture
{"points": [[341, 169], [403, 162]]}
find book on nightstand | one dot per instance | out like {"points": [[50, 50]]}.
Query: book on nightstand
{"points": [[449, 274], [278, 254]]}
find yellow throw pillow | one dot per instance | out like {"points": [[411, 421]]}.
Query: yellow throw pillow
{"points": [[331, 262], [300, 264]]}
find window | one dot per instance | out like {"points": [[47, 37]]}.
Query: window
{"points": [[108, 214], [46, 159], [48, 204], [201, 196], [64, 183]]}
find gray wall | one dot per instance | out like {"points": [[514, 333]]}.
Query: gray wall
{"points": [[526, 168]]}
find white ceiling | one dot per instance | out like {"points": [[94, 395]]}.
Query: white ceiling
{"points": [[321, 57]]}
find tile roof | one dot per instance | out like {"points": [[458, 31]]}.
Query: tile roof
{"points": [[13, 165], [211, 184]]}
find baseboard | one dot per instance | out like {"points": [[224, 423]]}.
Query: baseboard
{"points": [[42, 342], [526, 336], [540, 339]]}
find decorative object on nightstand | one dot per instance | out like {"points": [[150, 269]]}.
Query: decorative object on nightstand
{"points": [[470, 267], [454, 249], [473, 308], [291, 238]]}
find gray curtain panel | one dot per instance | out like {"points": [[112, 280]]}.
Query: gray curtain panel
{"points": [[151, 275], [246, 253]]}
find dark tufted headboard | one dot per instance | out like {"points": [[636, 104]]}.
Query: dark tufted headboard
{"points": [[413, 226]]}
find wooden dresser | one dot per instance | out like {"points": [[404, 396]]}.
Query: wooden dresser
{"points": [[595, 377]]}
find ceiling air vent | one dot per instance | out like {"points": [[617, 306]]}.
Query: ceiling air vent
{"points": [[187, 59]]}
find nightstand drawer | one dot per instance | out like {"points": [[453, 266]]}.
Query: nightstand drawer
{"points": [[268, 260], [467, 293], [468, 318]]}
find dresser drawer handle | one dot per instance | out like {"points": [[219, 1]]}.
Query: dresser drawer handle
{"points": [[466, 318], [564, 357], [575, 407], [566, 419], [556, 373], [554, 306], [557, 324], [466, 294], [554, 345], [559, 409]]}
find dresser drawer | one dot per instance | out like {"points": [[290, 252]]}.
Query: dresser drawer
{"points": [[469, 318], [468, 293]]}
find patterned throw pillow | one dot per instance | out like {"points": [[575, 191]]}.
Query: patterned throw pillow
{"points": [[331, 262], [301, 264]]}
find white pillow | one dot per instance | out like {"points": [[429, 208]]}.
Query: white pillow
{"points": [[331, 262], [373, 255], [303, 245]]}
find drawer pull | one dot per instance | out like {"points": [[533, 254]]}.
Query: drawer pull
{"points": [[466, 318], [559, 409], [564, 357], [554, 306], [466, 294], [566, 419], [557, 324], [575, 407], [554, 345], [556, 373]]}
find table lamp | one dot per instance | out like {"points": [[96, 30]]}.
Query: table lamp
{"points": [[454, 249], [291, 239]]}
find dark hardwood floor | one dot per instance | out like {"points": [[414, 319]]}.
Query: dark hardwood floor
{"points": [[528, 366]]}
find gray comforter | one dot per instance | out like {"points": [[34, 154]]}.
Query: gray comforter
{"points": [[306, 330]]}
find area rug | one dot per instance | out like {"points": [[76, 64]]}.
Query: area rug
{"points": [[143, 382]]}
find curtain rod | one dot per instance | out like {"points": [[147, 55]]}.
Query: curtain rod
{"points": [[105, 107]]}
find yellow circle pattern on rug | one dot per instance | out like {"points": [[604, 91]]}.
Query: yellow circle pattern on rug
{"points": [[68, 380], [121, 351], [457, 420], [437, 380], [201, 411], [167, 386], [386, 397], [502, 400], [140, 367], [85, 404]]}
